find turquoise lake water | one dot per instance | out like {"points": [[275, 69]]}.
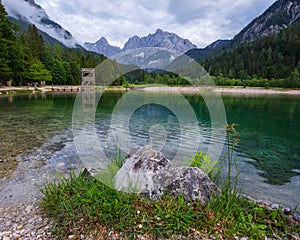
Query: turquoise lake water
{"points": [[268, 153]]}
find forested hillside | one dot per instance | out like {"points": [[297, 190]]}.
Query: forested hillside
{"points": [[275, 59], [25, 58]]}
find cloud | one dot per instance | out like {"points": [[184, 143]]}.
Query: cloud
{"points": [[202, 22], [23, 8], [35, 15]]}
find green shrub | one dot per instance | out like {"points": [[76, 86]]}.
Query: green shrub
{"points": [[202, 160]]}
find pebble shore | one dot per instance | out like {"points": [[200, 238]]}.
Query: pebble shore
{"points": [[24, 222], [20, 214]]}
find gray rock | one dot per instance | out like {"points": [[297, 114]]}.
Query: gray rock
{"points": [[287, 210], [151, 173], [297, 217], [144, 171], [275, 206], [162, 39], [194, 184]]}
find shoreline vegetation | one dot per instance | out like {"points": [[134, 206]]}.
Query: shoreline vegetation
{"points": [[83, 206], [8, 90]]}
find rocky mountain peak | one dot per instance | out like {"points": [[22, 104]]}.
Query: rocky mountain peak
{"points": [[102, 46], [132, 43], [159, 31], [160, 38], [103, 40], [279, 16]]}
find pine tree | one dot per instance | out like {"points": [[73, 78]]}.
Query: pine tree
{"points": [[34, 42], [7, 39], [37, 72]]}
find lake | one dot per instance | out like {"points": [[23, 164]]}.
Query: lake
{"points": [[268, 153]]}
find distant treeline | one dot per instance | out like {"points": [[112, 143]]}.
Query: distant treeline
{"points": [[144, 77]]}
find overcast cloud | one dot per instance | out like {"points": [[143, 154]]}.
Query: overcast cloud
{"points": [[202, 22]]}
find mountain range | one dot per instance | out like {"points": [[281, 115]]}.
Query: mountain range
{"points": [[159, 39], [281, 15]]}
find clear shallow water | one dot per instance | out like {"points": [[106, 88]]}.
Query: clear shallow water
{"points": [[268, 154], [26, 121]]}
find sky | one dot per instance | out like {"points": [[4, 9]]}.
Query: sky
{"points": [[200, 21]]}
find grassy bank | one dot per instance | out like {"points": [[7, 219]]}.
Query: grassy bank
{"points": [[83, 205]]}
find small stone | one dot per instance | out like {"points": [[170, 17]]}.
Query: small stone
{"points": [[266, 202], [3, 234], [297, 217], [15, 236], [28, 208], [20, 227], [71, 237], [6, 238], [287, 211], [274, 206]]}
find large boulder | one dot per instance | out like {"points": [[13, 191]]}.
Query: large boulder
{"points": [[149, 172]]}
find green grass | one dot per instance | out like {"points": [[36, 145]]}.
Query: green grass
{"points": [[202, 160], [80, 204]]}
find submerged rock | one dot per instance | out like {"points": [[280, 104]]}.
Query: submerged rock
{"points": [[149, 172]]}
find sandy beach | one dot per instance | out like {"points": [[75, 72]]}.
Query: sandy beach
{"points": [[192, 90], [253, 90], [230, 90]]}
